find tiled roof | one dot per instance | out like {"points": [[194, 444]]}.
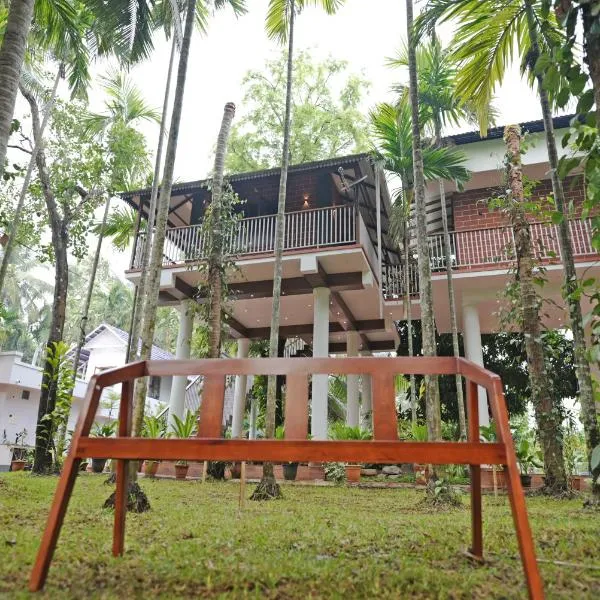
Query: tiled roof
{"points": [[470, 137]]}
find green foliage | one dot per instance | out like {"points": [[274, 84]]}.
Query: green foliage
{"points": [[104, 430], [326, 122], [418, 433], [341, 431], [335, 471], [186, 427], [527, 456], [154, 427]]}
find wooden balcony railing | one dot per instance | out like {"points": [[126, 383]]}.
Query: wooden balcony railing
{"points": [[486, 248], [316, 228]]}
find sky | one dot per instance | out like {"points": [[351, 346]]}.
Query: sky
{"points": [[363, 33]]}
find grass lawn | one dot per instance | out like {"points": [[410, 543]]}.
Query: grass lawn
{"points": [[316, 542]]}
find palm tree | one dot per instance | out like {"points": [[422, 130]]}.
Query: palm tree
{"points": [[281, 15], [12, 55], [548, 418], [215, 258], [485, 44], [440, 105]]}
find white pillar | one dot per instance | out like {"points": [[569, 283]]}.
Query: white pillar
{"points": [[352, 341], [182, 351], [474, 353], [253, 415], [239, 394], [367, 403], [320, 383]]}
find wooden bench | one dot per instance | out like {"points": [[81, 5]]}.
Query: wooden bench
{"points": [[209, 445]]}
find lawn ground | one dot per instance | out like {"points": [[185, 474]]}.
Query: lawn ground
{"points": [[318, 542]]}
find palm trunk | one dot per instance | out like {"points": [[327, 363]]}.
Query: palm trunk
{"points": [[140, 289], [155, 264], [16, 219], [215, 259], [408, 305], [548, 417], [268, 487], [60, 235], [589, 415], [432, 393], [12, 54], [462, 422]]}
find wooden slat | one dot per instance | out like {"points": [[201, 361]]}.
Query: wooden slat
{"points": [[296, 407], [385, 419], [211, 410], [301, 450]]}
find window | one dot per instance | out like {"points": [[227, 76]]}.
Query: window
{"points": [[25, 395]]}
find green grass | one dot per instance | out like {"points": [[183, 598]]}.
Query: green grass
{"points": [[320, 542]]}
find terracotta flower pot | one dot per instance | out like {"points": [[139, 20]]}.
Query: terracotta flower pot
{"points": [[421, 473], [236, 470], [181, 471], [353, 473], [18, 465], [150, 468], [576, 482]]}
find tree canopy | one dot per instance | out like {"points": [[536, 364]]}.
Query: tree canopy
{"points": [[327, 120]]}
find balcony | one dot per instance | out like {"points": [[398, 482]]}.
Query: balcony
{"points": [[316, 228], [488, 249]]}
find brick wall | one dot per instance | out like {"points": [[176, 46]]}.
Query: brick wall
{"points": [[471, 211]]}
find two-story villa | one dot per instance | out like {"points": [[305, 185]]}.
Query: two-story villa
{"points": [[343, 279]]}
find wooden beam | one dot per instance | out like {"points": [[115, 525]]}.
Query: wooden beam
{"points": [[377, 346], [164, 296], [239, 330], [188, 290], [286, 331]]}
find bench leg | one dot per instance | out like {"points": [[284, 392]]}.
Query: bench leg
{"points": [[476, 522], [121, 494], [524, 537], [54, 523]]}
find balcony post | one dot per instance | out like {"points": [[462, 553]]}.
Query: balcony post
{"points": [[239, 394], [474, 352], [320, 383], [179, 383], [352, 341]]}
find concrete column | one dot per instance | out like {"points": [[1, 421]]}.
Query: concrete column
{"points": [[253, 415], [182, 351], [367, 403], [239, 393], [352, 342], [320, 383], [474, 353]]}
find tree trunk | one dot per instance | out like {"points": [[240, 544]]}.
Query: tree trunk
{"points": [[12, 54], [462, 422], [548, 417], [16, 219], [155, 264], [215, 258], [432, 393], [582, 367], [140, 295], [591, 44], [408, 304], [268, 487], [60, 235]]}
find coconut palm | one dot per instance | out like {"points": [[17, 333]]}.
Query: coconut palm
{"points": [[279, 25], [490, 34]]}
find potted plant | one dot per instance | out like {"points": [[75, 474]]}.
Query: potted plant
{"points": [[104, 430], [527, 459], [154, 427], [290, 469], [340, 431], [418, 433], [183, 429]]}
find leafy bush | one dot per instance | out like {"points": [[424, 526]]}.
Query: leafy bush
{"points": [[335, 471]]}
